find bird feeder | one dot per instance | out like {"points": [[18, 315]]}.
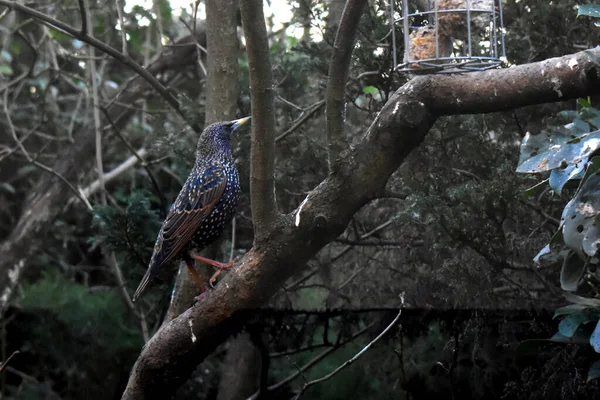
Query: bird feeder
{"points": [[450, 35]]}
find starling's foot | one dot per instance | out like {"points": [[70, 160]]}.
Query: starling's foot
{"points": [[221, 266], [198, 298]]}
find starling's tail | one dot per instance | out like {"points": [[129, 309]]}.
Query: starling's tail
{"points": [[145, 281]]}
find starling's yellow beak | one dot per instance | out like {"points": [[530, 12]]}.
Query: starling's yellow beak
{"points": [[239, 122]]}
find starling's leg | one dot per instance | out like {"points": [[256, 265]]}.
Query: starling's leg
{"points": [[196, 276], [221, 266]]}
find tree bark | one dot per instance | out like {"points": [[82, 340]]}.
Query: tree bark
{"points": [[47, 199], [262, 157], [339, 67], [241, 369], [170, 356]]}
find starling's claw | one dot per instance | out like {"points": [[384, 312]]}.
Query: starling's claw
{"points": [[213, 278], [198, 298], [221, 266]]}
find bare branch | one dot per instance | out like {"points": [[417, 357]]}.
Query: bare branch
{"points": [[262, 184], [93, 77], [139, 157], [129, 62], [83, 11], [112, 259], [5, 363], [112, 174], [119, 6], [356, 356], [316, 107], [339, 68], [47, 199]]}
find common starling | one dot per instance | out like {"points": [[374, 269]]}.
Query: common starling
{"points": [[206, 202]]}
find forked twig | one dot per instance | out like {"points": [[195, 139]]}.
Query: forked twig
{"points": [[5, 363], [356, 356]]}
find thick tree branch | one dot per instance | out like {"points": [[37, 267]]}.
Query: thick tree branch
{"points": [[262, 158], [339, 68], [174, 352]]}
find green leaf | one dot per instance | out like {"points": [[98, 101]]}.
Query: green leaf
{"points": [[568, 310], [577, 338], [569, 325], [559, 154], [372, 90], [559, 177], [594, 371], [59, 35], [590, 10], [571, 272], [575, 299], [593, 56], [583, 102], [7, 187], [6, 70], [595, 338]]}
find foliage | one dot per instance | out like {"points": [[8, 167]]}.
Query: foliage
{"points": [[570, 155], [130, 231], [100, 313]]}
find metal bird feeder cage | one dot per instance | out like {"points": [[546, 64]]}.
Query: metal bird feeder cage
{"points": [[445, 36]]}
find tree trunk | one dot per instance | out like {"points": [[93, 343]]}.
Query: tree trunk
{"points": [[241, 370]]}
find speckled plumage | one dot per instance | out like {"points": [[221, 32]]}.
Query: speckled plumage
{"points": [[206, 202]]}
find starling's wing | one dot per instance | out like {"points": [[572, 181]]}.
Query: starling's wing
{"points": [[194, 203]]}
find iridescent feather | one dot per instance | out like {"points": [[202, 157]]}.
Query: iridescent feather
{"points": [[205, 203]]}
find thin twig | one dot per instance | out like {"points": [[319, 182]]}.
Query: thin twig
{"points": [[159, 24], [316, 107], [84, 18], [345, 250], [195, 14], [123, 288], [118, 5], [5, 363], [84, 6], [312, 362], [117, 55], [12, 128], [356, 356], [143, 163], [37, 163], [110, 175]]}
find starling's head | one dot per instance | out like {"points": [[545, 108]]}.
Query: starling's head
{"points": [[216, 137]]}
